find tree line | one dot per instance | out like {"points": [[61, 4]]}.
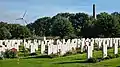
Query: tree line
{"points": [[13, 31], [66, 25]]}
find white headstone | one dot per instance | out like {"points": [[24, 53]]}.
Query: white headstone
{"points": [[79, 42], [49, 47], [1, 42], [108, 42], [92, 43], [97, 40], [1, 51], [111, 42], [83, 44], [68, 45], [115, 46], [118, 42], [32, 48], [36, 44], [89, 52], [104, 48], [100, 43], [42, 47], [39, 42], [27, 44], [9, 44]]}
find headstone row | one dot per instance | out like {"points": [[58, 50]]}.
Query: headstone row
{"points": [[62, 46]]}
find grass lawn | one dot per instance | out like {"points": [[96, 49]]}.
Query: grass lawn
{"points": [[68, 61]]}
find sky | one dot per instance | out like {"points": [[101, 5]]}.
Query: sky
{"points": [[13, 9]]}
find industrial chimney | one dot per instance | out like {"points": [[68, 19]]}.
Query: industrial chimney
{"points": [[94, 14]]}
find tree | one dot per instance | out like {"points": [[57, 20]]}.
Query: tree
{"points": [[62, 27], [3, 24], [65, 15], [116, 15], [107, 25], [32, 30], [23, 32], [79, 22], [90, 31], [18, 31], [42, 26], [4, 33], [116, 22]]}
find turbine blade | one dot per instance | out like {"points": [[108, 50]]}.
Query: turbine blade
{"points": [[25, 21], [19, 18], [24, 14]]}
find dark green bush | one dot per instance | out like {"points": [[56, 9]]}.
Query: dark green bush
{"points": [[116, 56], [110, 56], [92, 60], [33, 54], [99, 59], [96, 48], [10, 54], [1, 58], [109, 47], [78, 50], [53, 55], [106, 58], [6, 54], [23, 50], [1, 55], [68, 53]]}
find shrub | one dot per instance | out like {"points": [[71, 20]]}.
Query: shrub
{"points": [[92, 60], [1, 58], [116, 56], [6, 55], [78, 50], [68, 53], [106, 58], [21, 47], [53, 55], [74, 51], [1, 55], [33, 54], [24, 51], [96, 48], [10, 53], [110, 56], [109, 47], [99, 59]]}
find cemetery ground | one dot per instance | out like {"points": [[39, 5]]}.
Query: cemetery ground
{"points": [[77, 60]]}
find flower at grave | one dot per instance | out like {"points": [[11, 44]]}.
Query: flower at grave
{"points": [[14, 50]]}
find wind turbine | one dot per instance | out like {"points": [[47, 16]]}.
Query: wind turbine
{"points": [[22, 18]]}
